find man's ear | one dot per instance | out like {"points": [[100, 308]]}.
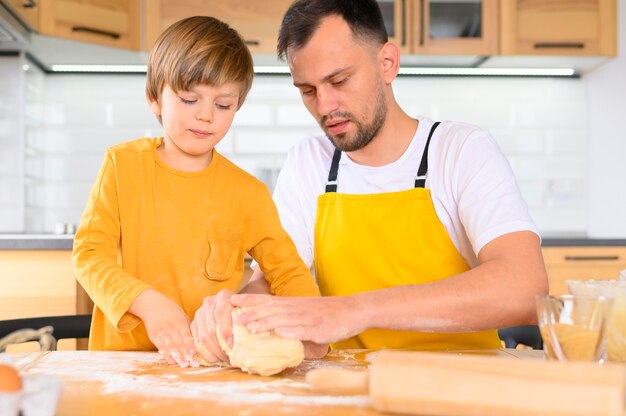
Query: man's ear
{"points": [[390, 58], [155, 107]]}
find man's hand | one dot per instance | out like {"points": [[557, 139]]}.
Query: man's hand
{"points": [[167, 326], [321, 320], [215, 309]]}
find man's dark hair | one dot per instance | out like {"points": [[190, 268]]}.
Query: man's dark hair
{"points": [[304, 16]]}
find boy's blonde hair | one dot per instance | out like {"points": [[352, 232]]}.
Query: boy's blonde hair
{"points": [[198, 50]]}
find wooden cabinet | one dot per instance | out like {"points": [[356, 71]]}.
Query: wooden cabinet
{"points": [[582, 263], [27, 11], [105, 22], [465, 27], [442, 27], [460, 27], [397, 17], [432, 27], [558, 27], [38, 283], [257, 21], [418, 27]]}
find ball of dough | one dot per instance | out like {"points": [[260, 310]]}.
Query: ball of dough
{"points": [[263, 353]]}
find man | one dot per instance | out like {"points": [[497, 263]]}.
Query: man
{"points": [[416, 230]]}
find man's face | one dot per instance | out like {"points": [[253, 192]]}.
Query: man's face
{"points": [[341, 84]]}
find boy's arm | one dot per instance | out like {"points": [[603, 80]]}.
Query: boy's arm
{"points": [[124, 299], [276, 254], [168, 328], [295, 280], [285, 275], [95, 252]]}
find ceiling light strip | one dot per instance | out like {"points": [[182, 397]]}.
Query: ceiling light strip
{"points": [[99, 68], [512, 72], [277, 69]]}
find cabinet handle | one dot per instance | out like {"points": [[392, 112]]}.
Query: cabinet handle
{"points": [[96, 31], [29, 4], [403, 22], [422, 20], [251, 42], [568, 45], [593, 258]]}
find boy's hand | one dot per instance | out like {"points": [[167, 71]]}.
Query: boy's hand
{"points": [[167, 326], [215, 313]]}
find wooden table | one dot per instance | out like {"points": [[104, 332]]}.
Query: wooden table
{"points": [[141, 383]]}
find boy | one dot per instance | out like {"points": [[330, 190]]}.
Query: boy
{"points": [[168, 220]]}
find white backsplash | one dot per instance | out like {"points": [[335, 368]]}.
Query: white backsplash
{"points": [[71, 119], [12, 93]]}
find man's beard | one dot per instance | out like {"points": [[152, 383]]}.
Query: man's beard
{"points": [[365, 133]]}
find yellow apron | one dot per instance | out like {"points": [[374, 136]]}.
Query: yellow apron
{"points": [[374, 241]]}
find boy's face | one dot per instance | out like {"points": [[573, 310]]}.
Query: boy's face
{"points": [[196, 120]]}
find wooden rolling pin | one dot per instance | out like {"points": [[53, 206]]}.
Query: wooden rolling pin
{"points": [[426, 383]]}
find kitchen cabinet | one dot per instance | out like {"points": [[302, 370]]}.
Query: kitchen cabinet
{"points": [[558, 27], [114, 23], [39, 283], [421, 28], [582, 263], [257, 21], [454, 27], [467, 27], [27, 11], [442, 27], [397, 17]]}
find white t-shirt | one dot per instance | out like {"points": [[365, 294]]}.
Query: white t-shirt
{"points": [[471, 183]]}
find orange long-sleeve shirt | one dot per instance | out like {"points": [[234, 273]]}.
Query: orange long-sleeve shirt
{"points": [[147, 225]]}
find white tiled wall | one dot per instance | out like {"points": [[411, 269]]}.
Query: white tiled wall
{"points": [[539, 123], [606, 197], [12, 96]]}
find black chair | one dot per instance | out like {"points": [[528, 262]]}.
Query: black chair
{"points": [[528, 335], [46, 330]]}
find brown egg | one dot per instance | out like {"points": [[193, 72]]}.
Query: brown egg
{"points": [[10, 380]]}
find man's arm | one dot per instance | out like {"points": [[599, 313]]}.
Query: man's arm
{"points": [[499, 292]]}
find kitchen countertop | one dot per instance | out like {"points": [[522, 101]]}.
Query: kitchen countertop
{"points": [[141, 383], [36, 241], [581, 242], [64, 241]]}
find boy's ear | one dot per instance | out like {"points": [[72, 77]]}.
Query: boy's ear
{"points": [[155, 107]]}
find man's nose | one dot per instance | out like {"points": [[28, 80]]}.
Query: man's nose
{"points": [[327, 102]]}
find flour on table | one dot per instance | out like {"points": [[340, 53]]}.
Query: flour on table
{"points": [[263, 353], [133, 372]]}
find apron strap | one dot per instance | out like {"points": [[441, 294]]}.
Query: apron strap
{"points": [[420, 179], [331, 184]]}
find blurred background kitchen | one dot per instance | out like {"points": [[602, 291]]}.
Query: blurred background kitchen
{"points": [[563, 135]]}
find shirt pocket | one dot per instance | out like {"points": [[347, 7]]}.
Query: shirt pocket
{"points": [[222, 254]]}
